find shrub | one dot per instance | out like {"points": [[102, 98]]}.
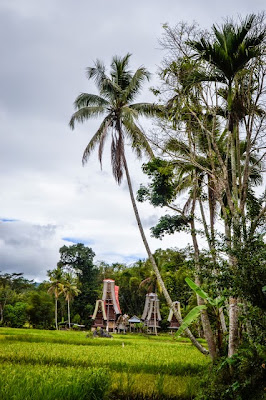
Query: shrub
{"points": [[15, 316], [240, 377]]}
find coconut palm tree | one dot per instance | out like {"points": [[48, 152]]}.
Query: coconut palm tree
{"points": [[70, 290], [117, 92], [56, 287]]}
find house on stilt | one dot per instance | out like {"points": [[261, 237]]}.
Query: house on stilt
{"points": [[151, 314], [174, 324], [107, 310]]}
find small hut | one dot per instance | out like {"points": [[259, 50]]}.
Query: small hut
{"points": [[107, 310], [134, 322], [151, 314], [174, 324]]}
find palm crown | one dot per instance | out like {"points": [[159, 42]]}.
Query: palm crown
{"points": [[116, 94], [232, 48]]}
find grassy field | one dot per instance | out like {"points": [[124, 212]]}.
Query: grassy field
{"points": [[56, 365]]}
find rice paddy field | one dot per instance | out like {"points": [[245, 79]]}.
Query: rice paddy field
{"points": [[56, 365]]}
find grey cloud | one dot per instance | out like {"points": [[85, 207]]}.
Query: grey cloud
{"points": [[27, 248], [150, 221]]}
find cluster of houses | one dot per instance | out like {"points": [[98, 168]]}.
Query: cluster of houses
{"points": [[107, 313]]}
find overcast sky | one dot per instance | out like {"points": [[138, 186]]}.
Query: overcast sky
{"points": [[47, 198]]}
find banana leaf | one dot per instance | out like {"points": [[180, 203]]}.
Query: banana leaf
{"points": [[217, 302], [198, 290], [192, 316]]}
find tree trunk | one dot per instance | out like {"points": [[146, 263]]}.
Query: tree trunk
{"points": [[203, 314], [211, 243], [154, 265], [222, 320], [206, 326], [155, 322], [68, 312], [233, 327], [1, 314], [56, 326]]}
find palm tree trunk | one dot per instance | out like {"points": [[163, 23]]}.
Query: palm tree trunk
{"points": [[233, 307], [154, 265], [154, 315], [203, 314], [1, 314], [56, 326], [233, 326], [68, 312], [211, 241]]}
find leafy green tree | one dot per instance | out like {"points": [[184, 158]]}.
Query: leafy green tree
{"points": [[12, 286], [40, 309], [16, 315], [78, 260]]}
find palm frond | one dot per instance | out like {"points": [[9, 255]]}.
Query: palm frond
{"points": [[86, 99], [98, 138], [148, 109], [233, 47], [137, 137], [119, 72], [177, 146], [110, 90], [85, 113], [135, 84], [97, 73]]}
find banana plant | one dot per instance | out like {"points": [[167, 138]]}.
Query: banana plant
{"points": [[195, 312], [217, 302]]}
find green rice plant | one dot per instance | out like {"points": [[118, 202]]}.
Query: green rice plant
{"points": [[62, 362], [159, 385], [53, 383]]}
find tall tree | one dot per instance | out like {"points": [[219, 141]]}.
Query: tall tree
{"points": [[70, 290], [117, 92], [55, 287], [78, 260]]}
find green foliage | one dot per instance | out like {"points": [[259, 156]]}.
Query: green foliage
{"points": [[15, 316], [79, 260], [13, 287], [161, 191], [233, 46], [169, 224], [217, 302], [250, 277], [240, 377], [191, 317], [40, 310]]}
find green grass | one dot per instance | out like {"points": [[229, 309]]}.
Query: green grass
{"points": [[62, 364]]}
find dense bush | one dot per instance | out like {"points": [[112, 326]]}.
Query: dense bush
{"points": [[241, 377], [15, 316], [40, 310]]}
